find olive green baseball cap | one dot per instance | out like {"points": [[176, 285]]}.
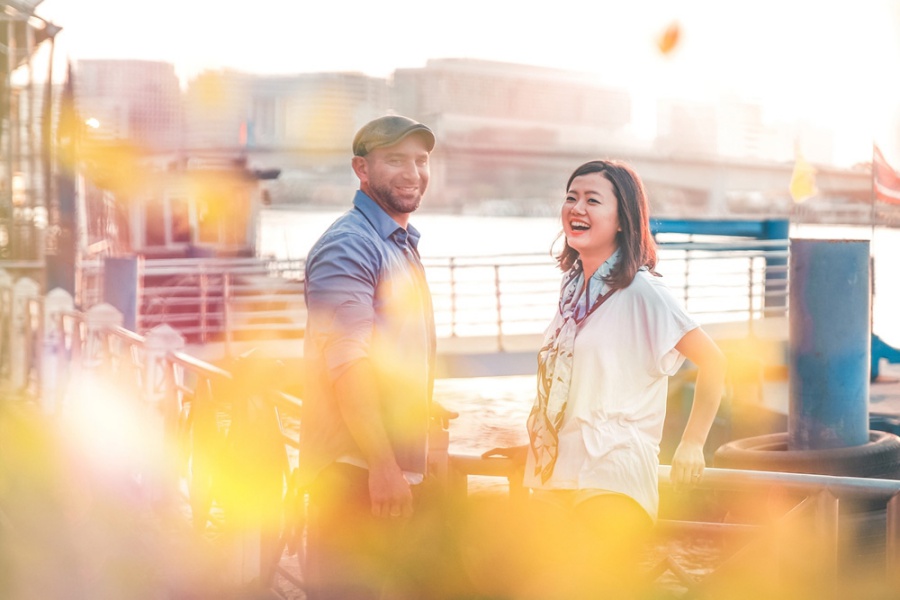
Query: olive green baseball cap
{"points": [[387, 131]]}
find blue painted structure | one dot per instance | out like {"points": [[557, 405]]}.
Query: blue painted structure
{"points": [[776, 276], [881, 349], [121, 277], [762, 229], [754, 229], [829, 361]]}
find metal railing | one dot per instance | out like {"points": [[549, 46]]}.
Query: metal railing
{"points": [[810, 510], [217, 299], [236, 432], [498, 295], [517, 294], [231, 440]]}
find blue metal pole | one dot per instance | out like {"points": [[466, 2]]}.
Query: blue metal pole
{"points": [[829, 316]]}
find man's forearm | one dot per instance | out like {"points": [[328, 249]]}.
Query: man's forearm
{"points": [[389, 491], [360, 406]]}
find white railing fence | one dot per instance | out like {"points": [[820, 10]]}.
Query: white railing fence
{"points": [[216, 299], [212, 299], [517, 294]]}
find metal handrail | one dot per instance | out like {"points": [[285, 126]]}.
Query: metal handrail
{"points": [[820, 495], [499, 294], [516, 293], [193, 413]]}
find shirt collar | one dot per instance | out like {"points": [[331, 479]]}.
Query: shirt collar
{"points": [[384, 225]]}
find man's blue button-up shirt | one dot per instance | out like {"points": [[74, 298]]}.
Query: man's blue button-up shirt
{"points": [[367, 300]]}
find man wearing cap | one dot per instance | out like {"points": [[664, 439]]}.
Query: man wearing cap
{"points": [[369, 349]]}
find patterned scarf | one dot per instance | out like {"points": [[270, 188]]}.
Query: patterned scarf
{"points": [[555, 361]]}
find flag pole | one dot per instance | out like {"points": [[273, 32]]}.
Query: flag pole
{"points": [[872, 191], [872, 249]]}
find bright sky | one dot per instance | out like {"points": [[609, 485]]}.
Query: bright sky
{"points": [[832, 62]]}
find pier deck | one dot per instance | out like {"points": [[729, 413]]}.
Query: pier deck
{"points": [[75, 527], [74, 523], [511, 354]]}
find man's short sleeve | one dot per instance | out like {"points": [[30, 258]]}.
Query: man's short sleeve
{"points": [[341, 280]]}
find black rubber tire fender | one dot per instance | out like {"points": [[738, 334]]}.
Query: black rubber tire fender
{"points": [[879, 458]]}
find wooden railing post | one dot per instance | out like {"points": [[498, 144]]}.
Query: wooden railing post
{"points": [[98, 320], [893, 542], [750, 290], [826, 532], [499, 302], [161, 410], [438, 450], [21, 354], [227, 313], [54, 363], [158, 343], [452, 296], [254, 481], [6, 321], [204, 306]]}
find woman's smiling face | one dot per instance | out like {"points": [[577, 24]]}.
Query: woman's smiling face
{"points": [[590, 217]]}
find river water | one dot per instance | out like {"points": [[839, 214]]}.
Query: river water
{"points": [[493, 409]]}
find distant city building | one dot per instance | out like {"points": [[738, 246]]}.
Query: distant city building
{"points": [[818, 144], [131, 99], [508, 134], [734, 129], [687, 129], [311, 112], [216, 108], [485, 103], [314, 111], [741, 132]]}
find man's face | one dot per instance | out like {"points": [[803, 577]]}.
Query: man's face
{"points": [[395, 176]]}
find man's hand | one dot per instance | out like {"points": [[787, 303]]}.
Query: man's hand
{"points": [[442, 415], [518, 454], [390, 493]]}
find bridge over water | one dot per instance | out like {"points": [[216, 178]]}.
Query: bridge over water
{"points": [[718, 186], [529, 179]]}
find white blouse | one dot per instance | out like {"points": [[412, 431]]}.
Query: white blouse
{"points": [[624, 353]]}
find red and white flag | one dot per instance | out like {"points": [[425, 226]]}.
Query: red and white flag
{"points": [[885, 180]]}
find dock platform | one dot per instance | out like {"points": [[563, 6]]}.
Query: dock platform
{"points": [[76, 524]]}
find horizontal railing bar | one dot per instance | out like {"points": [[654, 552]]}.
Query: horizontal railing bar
{"points": [[507, 287], [845, 487], [723, 479], [477, 465], [271, 327], [288, 401], [678, 526], [274, 288], [127, 335], [198, 366], [179, 317], [216, 322]]}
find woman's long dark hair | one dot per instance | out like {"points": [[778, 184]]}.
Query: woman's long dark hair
{"points": [[636, 245]]}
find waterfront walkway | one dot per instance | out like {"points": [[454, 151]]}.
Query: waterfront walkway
{"points": [[75, 523]]}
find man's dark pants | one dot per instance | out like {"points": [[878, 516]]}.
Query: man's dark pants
{"points": [[352, 555]]}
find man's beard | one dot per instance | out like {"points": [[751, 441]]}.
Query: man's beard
{"points": [[391, 201]]}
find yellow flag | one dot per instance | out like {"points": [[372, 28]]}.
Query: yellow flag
{"points": [[803, 180]]}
